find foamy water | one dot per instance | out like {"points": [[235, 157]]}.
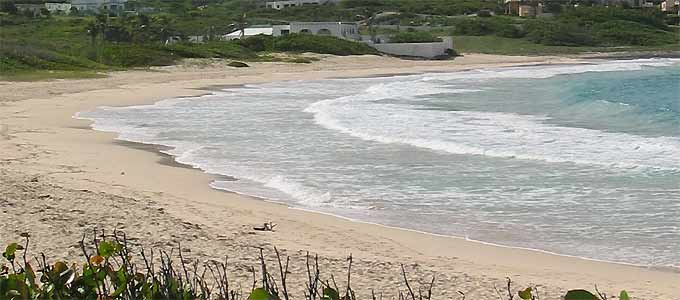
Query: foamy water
{"points": [[581, 160]]}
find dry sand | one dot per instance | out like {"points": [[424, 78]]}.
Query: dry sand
{"points": [[58, 178]]}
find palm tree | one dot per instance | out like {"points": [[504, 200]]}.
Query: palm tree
{"points": [[241, 22]]}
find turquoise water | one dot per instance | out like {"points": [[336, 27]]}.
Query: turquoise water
{"points": [[580, 160]]}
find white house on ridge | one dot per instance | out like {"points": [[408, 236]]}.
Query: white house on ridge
{"points": [[290, 3]]}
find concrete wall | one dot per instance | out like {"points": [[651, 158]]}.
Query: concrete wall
{"points": [[424, 50]]}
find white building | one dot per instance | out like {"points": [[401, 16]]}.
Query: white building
{"points": [[670, 5], [62, 8], [343, 30], [290, 3], [97, 5], [248, 32]]}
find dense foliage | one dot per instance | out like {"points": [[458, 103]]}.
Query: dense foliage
{"points": [[429, 7], [306, 43], [414, 37], [83, 41], [110, 270], [102, 42], [580, 26]]}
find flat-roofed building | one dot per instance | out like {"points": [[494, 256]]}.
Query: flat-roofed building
{"points": [[343, 30], [291, 3]]}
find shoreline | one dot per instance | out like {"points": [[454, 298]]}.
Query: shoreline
{"points": [[187, 194], [170, 160]]}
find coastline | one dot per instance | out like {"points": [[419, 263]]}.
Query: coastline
{"points": [[57, 143]]}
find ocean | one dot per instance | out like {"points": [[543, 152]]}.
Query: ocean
{"points": [[580, 160]]}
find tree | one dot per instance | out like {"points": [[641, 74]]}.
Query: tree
{"points": [[74, 11], [9, 7], [240, 23]]}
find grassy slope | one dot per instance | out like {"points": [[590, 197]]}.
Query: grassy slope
{"points": [[39, 49], [34, 49], [507, 46]]}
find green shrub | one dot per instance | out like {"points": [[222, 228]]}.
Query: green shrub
{"points": [[132, 55], [258, 43], [187, 50], [216, 49], [15, 57], [557, 33], [499, 26], [509, 31], [320, 44], [585, 16], [472, 27], [414, 37], [631, 33]]}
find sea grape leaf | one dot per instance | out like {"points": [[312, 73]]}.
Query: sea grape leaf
{"points": [[259, 294], [10, 251], [107, 249], [96, 260], [580, 295], [525, 294], [330, 294], [624, 296], [59, 267]]}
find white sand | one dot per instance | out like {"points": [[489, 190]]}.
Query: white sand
{"points": [[58, 178]]}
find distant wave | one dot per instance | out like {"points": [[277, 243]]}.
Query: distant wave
{"points": [[501, 135], [554, 70]]}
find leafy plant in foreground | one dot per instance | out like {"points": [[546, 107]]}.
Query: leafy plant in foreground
{"points": [[108, 272]]}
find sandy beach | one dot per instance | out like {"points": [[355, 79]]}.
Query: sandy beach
{"points": [[59, 178]]}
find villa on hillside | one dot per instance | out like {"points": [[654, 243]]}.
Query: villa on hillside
{"points": [[343, 30], [670, 6], [98, 5], [291, 3], [58, 8], [523, 8]]}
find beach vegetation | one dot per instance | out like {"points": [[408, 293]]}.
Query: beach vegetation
{"points": [[578, 27], [300, 43], [414, 37], [320, 44], [91, 44], [86, 43], [111, 269]]}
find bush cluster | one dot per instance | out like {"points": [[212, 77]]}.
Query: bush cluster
{"points": [[414, 37], [16, 57], [581, 26], [306, 43], [109, 271]]}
